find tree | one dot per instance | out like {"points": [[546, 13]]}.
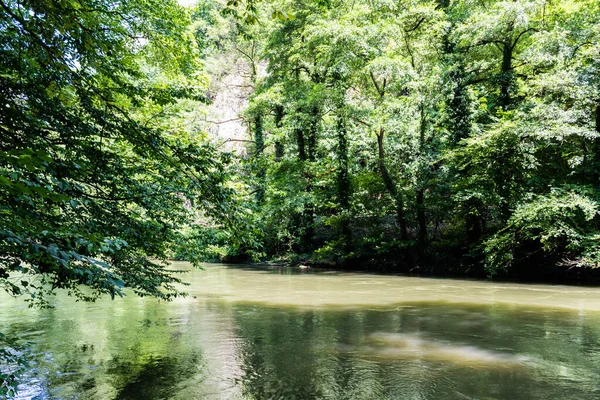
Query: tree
{"points": [[96, 175], [559, 211]]}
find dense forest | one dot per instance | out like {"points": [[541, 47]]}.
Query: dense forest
{"points": [[433, 136], [438, 136]]}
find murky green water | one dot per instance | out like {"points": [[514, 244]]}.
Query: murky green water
{"points": [[285, 334]]}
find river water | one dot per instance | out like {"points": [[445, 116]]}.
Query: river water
{"points": [[301, 334]]}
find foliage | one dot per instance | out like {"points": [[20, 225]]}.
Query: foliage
{"points": [[97, 172], [564, 222], [12, 364], [409, 129]]}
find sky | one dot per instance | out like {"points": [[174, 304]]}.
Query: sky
{"points": [[186, 2]]}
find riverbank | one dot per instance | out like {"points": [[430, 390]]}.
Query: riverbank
{"points": [[448, 267]]}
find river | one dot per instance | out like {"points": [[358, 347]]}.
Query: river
{"points": [[285, 333]]}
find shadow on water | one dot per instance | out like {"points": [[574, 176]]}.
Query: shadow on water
{"points": [[154, 379]]}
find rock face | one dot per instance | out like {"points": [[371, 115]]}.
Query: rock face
{"points": [[229, 87], [231, 83]]}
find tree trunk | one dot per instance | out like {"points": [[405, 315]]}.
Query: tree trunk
{"points": [[596, 172], [259, 141], [308, 216], [311, 156], [279, 149], [460, 113], [506, 82], [420, 195], [311, 140], [391, 187], [301, 144], [420, 198], [343, 180], [473, 226], [302, 219], [598, 118], [506, 78], [306, 140]]}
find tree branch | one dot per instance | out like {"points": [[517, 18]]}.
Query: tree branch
{"points": [[521, 35], [226, 121], [376, 85]]}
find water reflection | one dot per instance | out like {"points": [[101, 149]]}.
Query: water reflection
{"points": [[152, 379], [206, 348], [414, 346]]}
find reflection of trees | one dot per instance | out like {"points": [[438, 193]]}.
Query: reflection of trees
{"points": [[150, 351], [144, 349], [276, 362], [296, 355], [156, 378], [108, 349]]}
